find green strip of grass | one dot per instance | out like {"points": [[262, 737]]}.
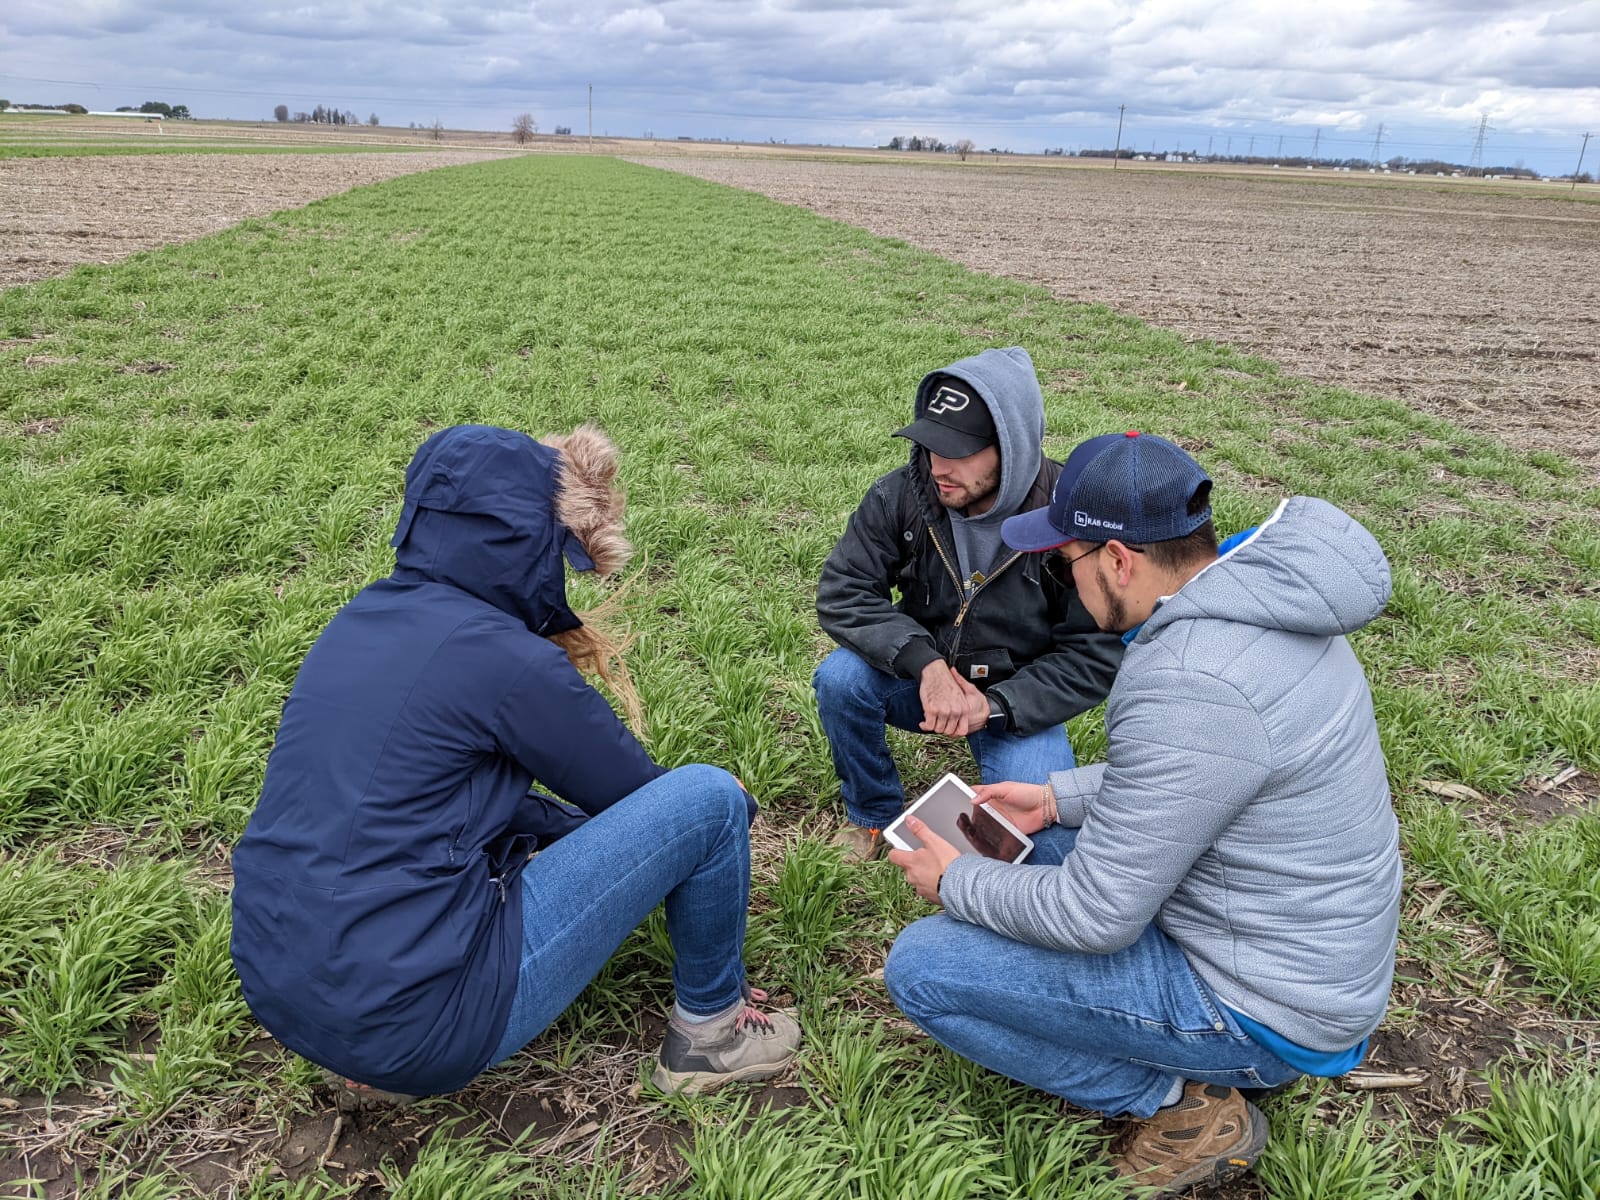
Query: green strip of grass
{"points": [[201, 454]]}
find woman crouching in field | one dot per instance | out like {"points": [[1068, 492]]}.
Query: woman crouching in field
{"points": [[388, 922]]}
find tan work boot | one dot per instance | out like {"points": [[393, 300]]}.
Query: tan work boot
{"points": [[742, 1044], [859, 843], [1209, 1136]]}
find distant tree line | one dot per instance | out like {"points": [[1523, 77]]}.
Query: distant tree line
{"points": [[66, 108], [932, 145], [321, 115], [178, 112], [156, 108], [918, 143]]}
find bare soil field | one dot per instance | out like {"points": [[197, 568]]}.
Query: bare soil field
{"points": [[56, 213], [1480, 303]]}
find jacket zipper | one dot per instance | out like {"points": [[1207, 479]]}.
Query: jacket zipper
{"points": [[966, 600]]}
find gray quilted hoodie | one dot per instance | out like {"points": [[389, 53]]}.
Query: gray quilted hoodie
{"points": [[1244, 805]]}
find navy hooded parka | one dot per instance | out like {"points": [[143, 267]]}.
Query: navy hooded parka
{"points": [[377, 915]]}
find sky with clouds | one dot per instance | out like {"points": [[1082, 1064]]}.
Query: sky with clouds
{"points": [[1224, 75]]}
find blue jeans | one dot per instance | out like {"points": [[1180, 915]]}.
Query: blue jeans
{"points": [[856, 702], [683, 838], [1107, 1032]]}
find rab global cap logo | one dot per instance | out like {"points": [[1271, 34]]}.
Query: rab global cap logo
{"points": [[948, 399], [1082, 518]]}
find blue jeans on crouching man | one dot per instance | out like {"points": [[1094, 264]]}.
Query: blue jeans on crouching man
{"points": [[1107, 1032], [683, 838], [856, 702]]}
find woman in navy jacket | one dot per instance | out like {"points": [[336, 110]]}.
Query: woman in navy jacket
{"points": [[389, 923]]}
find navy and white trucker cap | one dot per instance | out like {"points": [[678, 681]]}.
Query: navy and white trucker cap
{"points": [[1132, 487]]}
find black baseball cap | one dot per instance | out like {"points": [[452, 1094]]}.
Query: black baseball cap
{"points": [[956, 423], [1136, 488]]}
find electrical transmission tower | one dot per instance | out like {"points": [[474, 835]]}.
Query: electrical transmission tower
{"points": [[1315, 142], [1476, 165], [1377, 142]]}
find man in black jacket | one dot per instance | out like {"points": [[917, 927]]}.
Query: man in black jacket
{"points": [[983, 642]]}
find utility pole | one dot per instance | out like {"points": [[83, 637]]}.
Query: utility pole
{"points": [[1117, 153], [1315, 142], [1377, 142], [591, 118], [1477, 147], [1579, 167]]}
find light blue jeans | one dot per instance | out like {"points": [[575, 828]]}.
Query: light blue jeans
{"points": [[683, 838], [1107, 1032], [856, 702]]}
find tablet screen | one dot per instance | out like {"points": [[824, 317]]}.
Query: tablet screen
{"points": [[988, 837]]}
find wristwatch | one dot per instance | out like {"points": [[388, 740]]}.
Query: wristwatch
{"points": [[999, 718]]}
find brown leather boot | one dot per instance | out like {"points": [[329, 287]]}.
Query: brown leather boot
{"points": [[1209, 1136], [859, 844]]}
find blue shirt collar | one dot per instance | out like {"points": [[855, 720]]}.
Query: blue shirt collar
{"points": [[1127, 638]]}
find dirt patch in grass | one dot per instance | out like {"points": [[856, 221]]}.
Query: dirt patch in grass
{"points": [[58, 213], [1480, 305], [1564, 795]]}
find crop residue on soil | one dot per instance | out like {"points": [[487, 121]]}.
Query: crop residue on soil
{"points": [[1481, 306]]}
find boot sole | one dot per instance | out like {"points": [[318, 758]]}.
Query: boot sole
{"points": [[698, 1083]]}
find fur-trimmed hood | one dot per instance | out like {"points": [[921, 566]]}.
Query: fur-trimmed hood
{"points": [[492, 511]]}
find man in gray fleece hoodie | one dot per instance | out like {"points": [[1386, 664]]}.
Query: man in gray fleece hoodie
{"points": [[1215, 906]]}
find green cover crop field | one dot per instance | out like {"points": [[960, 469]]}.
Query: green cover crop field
{"points": [[201, 457]]}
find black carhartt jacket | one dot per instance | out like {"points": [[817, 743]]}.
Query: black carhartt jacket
{"points": [[1022, 636]]}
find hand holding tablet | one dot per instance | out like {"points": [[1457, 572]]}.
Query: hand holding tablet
{"points": [[950, 810]]}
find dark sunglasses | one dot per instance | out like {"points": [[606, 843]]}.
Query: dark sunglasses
{"points": [[1097, 546]]}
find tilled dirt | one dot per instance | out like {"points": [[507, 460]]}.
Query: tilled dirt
{"points": [[1475, 303], [56, 213]]}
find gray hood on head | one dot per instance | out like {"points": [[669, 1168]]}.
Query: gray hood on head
{"points": [[1309, 568], [1010, 387]]}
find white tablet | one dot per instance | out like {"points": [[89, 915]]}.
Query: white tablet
{"points": [[949, 810]]}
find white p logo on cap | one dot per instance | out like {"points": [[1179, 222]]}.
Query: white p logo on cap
{"points": [[948, 399]]}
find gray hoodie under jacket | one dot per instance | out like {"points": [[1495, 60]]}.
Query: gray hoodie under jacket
{"points": [[1244, 804], [1007, 384]]}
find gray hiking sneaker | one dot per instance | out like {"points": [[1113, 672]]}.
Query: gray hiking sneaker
{"points": [[352, 1097], [742, 1044]]}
